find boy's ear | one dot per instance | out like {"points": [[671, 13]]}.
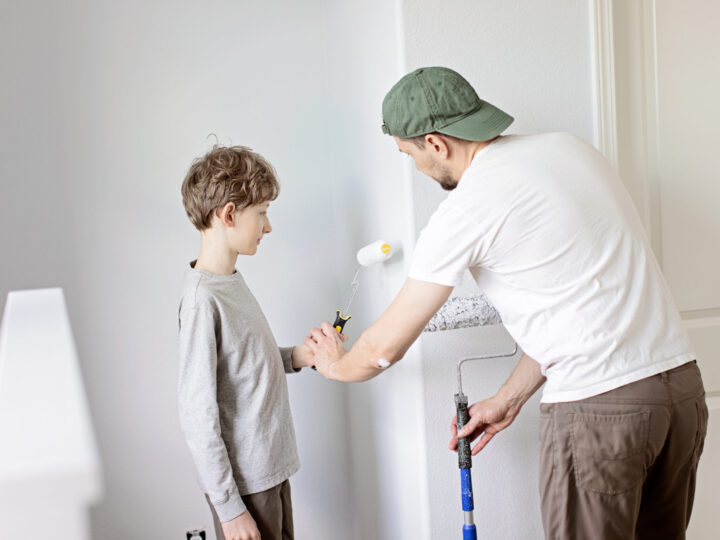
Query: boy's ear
{"points": [[226, 214]]}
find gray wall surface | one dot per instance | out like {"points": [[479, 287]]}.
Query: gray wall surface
{"points": [[104, 107]]}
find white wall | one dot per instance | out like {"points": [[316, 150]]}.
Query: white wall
{"points": [[53, 465], [532, 59], [33, 213], [371, 193], [107, 104]]}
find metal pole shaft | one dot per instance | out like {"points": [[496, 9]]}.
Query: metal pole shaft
{"points": [[488, 357]]}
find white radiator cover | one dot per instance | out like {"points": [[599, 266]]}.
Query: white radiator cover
{"points": [[49, 467]]}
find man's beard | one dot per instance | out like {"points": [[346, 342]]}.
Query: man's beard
{"points": [[445, 179]]}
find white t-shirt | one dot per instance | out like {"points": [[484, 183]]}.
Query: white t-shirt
{"points": [[551, 236]]}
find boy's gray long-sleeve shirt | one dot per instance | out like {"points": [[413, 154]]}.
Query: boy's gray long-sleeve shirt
{"points": [[232, 392]]}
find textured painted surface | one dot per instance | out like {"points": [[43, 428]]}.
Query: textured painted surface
{"points": [[464, 312]]}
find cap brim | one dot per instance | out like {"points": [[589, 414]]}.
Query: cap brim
{"points": [[484, 124]]}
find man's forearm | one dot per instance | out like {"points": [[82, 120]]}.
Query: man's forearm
{"points": [[386, 341], [523, 382], [357, 364]]}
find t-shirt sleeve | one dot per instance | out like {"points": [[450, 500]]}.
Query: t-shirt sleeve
{"points": [[199, 411], [286, 354], [448, 245]]}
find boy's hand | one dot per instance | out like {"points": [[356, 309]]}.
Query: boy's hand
{"points": [[301, 356], [326, 346], [242, 527]]}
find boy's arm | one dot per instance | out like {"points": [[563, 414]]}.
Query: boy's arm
{"points": [[199, 412], [287, 357], [295, 358], [300, 356]]}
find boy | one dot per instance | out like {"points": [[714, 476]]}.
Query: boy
{"points": [[233, 395]]}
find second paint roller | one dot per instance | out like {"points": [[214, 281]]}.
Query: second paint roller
{"points": [[378, 251]]}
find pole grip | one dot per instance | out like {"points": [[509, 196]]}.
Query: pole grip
{"points": [[464, 455]]}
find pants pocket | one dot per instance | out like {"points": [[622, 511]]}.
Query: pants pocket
{"points": [[609, 451], [702, 419]]}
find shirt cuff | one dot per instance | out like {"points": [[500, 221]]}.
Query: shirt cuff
{"points": [[286, 353], [231, 508]]}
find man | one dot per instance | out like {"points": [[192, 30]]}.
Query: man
{"points": [[550, 235]]}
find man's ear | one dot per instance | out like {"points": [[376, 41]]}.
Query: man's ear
{"points": [[226, 214], [438, 145]]}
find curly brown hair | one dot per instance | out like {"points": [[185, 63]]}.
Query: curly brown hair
{"points": [[227, 174]]}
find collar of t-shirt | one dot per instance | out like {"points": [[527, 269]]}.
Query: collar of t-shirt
{"points": [[480, 155]]}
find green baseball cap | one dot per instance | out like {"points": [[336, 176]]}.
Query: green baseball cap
{"points": [[439, 99]]}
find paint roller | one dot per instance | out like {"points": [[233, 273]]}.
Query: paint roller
{"points": [[378, 251], [466, 312]]}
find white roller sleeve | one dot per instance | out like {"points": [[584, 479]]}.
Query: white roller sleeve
{"points": [[376, 252]]}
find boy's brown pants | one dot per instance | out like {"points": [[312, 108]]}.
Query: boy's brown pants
{"points": [[621, 465], [272, 511]]}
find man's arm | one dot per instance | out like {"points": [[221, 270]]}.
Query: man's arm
{"points": [[386, 341], [490, 416]]}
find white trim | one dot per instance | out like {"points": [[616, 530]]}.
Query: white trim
{"points": [[652, 128], [604, 76], [639, 49]]}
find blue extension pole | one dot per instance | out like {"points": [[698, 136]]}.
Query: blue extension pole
{"points": [[469, 531], [465, 464], [464, 455]]}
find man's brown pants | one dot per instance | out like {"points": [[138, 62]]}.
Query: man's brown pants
{"points": [[272, 511], [621, 465]]}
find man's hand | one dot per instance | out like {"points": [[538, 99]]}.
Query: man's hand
{"points": [[487, 418], [326, 347], [242, 527], [494, 414]]}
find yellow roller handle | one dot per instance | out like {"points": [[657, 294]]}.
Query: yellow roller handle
{"points": [[340, 321]]}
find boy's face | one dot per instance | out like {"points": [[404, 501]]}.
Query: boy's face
{"points": [[249, 226]]}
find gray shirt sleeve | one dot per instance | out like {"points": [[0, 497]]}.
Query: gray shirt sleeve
{"points": [[286, 354], [199, 412]]}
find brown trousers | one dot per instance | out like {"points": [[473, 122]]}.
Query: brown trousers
{"points": [[621, 465], [272, 511]]}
